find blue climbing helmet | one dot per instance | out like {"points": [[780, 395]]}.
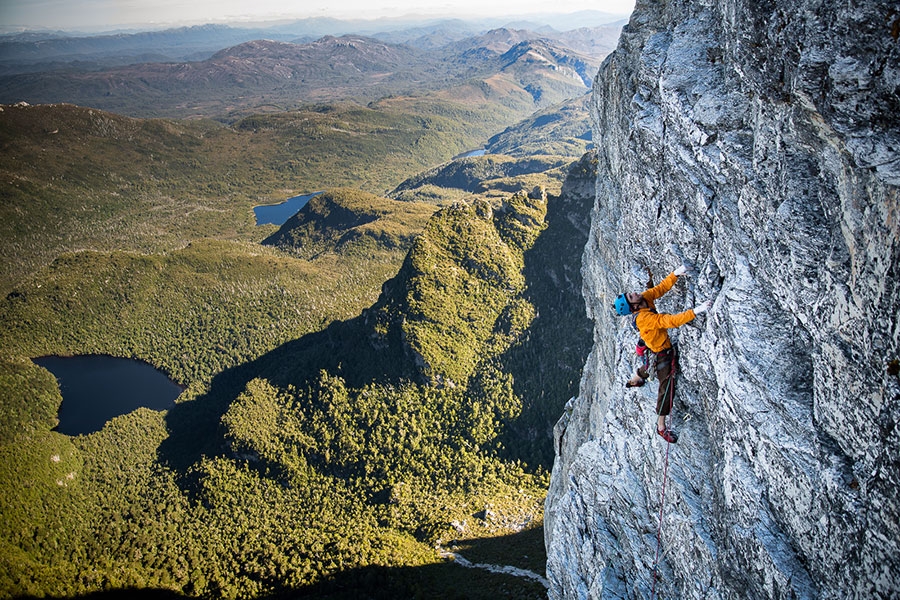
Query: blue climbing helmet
{"points": [[622, 306]]}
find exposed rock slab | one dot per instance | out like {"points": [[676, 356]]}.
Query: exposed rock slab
{"points": [[757, 142]]}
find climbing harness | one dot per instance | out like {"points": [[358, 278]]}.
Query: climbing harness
{"points": [[670, 393]]}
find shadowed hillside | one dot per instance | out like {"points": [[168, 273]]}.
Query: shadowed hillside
{"points": [[479, 174], [563, 130]]}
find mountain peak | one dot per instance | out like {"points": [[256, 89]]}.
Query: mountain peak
{"points": [[255, 48], [459, 279]]}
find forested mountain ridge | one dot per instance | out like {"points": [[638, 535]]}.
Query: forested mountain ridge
{"points": [[563, 129], [374, 380], [332, 449], [479, 174], [455, 302]]}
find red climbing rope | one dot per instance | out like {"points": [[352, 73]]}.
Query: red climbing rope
{"points": [[659, 527], [670, 392]]}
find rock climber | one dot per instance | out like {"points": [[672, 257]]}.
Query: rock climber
{"points": [[652, 327]]}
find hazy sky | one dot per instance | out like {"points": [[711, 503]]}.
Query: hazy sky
{"points": [[94, 15]]}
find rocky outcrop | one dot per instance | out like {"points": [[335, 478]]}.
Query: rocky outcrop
{"points": [[757, 142], [479, 173]]}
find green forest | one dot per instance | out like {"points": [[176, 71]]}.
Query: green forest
{"points": [[365, 386]]}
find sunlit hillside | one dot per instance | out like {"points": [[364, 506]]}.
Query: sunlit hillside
{"points": [[369, 388]]}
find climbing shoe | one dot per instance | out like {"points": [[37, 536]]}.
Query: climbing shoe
{"points": [[632, 383], [668, 435]]}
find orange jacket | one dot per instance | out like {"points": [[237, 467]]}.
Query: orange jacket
{"points": [[653, 325]]}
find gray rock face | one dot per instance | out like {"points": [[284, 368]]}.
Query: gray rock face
{"points": [[758, 142]]}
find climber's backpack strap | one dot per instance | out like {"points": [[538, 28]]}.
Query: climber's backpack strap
{"points": [[641, 348]]}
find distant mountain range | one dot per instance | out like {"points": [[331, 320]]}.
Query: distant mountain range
{"points": [[32, 51], [266, 75]]}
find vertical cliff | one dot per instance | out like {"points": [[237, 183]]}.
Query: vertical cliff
{"points": [[759, 142]]}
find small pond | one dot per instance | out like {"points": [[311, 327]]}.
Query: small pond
{"points": [[479, 152], [97, 388], [277, 214]]}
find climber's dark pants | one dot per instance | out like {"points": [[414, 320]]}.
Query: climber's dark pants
{"points": [[666, 367]]}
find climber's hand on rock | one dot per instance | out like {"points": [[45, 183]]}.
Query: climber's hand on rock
{"points": [[681, 270], [702, 307]]}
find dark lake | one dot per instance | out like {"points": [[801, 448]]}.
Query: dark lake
{"points": [[97, 388], [277, 214]]}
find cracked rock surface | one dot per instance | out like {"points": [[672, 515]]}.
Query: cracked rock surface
{"points": [[759, 143]]}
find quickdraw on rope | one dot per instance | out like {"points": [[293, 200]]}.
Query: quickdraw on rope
{"points": [[662, 500]]}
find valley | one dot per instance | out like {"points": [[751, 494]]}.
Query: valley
{"points": [[371, 381]]}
